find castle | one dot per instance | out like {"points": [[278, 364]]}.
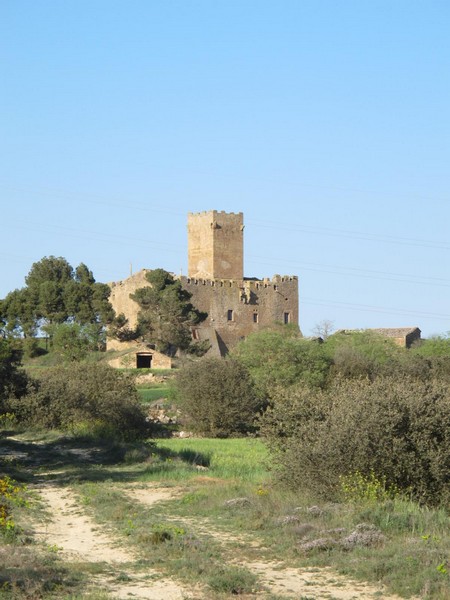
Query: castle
{"points": [[236, 305]]}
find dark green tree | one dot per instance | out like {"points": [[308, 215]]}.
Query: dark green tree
{"points": [[218, 397], [13, 380], [55, 293], [80, 396], [166, 314]]}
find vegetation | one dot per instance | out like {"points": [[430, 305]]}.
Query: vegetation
{"points": [[13, 380], [227, 512], [55, 293], [356, 433], [83, 397], [218, 397], [395, 428], [280, 356]]}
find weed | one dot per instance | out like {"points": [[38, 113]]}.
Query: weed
{"points": [[358, 487], [233, 580]]}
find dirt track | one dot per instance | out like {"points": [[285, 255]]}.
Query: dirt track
{"points": [[80, 539]]}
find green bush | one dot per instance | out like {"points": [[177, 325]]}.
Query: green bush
{"points": [[218, 397], [279, 356], [397, 429], [70, 397]]}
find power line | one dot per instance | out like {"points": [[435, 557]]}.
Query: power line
{"points": [[369, 308]]}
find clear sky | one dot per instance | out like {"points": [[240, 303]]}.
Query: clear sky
{"points": [[326, 122]]}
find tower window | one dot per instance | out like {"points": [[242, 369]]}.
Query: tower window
{"points": [[230, 315], [255, 317], [287, 318]]}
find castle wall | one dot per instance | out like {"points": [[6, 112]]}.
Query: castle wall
{"points": [[120, 296], [216, 245], [237, 308]]}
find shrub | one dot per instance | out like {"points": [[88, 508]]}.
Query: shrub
{"points": [[281, 357], [397, 430], [218, 397], [68, 397]]}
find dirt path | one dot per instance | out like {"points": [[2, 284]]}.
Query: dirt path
{"points": [[79, 539]]}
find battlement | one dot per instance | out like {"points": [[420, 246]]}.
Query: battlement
{"points": [[216, 212], [256, 284]]}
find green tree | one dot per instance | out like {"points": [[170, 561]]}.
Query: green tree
{"points": [[362, 353], [13, 380], [280, 357], [72, 341], [436, 345], [218, 397], [166, 314], [56, 294]]}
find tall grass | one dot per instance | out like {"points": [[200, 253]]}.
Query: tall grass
{"points": [[240, 459]]}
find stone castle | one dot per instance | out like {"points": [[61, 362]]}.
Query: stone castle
{"points": [[236, 305]]}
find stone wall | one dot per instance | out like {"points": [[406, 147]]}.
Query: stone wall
{"points": [[120, 296], [237, 308], [129, 352]]}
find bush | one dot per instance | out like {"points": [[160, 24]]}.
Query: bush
{"points": [[218, 397], [281, 357], [397, 430], [66, 397]]}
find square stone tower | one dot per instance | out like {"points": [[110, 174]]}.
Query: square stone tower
{"points": [[216, 245]]}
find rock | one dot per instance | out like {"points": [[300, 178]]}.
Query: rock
{"points": [[237, 502], [363, 535], [318, 544], [288, 520], [314, 511]]}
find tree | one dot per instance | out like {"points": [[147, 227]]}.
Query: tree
{"points": [[218, 397], [279, 356], [56, 294], [166, 314], [13, 380], [72, 341], [436, 345]]}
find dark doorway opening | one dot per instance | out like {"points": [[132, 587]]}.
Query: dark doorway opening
{"points": [[143, 361]]}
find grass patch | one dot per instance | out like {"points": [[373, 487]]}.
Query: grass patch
{"points": [[240, 458], [147, 394]]}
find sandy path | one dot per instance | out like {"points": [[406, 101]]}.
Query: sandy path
{"points": [[79, 538]]}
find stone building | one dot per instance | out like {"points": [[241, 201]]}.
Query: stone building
{"points": [[236, 305], [402, 336]]}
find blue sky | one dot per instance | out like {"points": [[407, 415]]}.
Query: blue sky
{"points": [[325, 122]]}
